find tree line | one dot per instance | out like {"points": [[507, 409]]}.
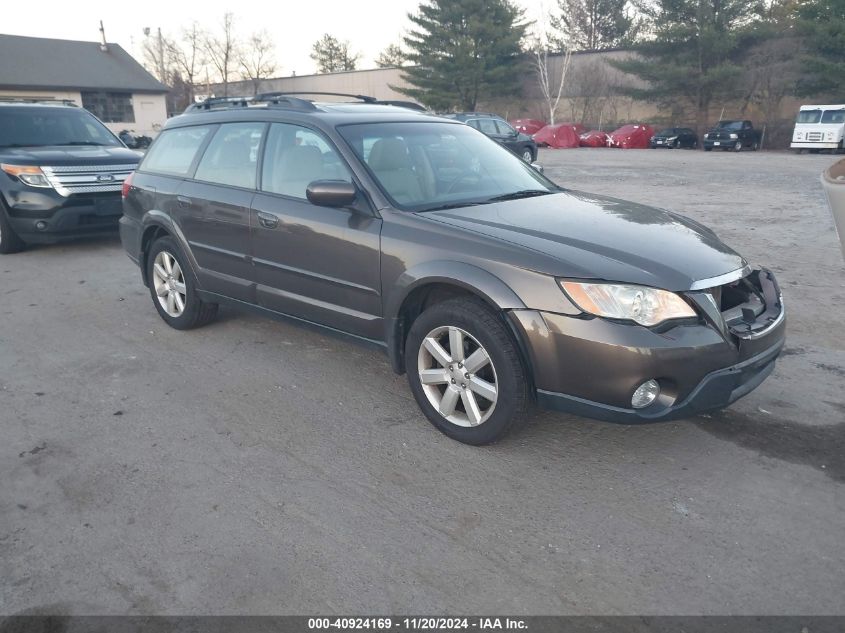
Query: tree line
{"points": [[689, 54]]}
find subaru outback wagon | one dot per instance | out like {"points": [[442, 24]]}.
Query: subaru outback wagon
{"points": [[489, 285]]}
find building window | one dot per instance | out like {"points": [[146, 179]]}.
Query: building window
{"points": [[110, 107]]}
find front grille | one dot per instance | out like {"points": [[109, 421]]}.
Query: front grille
{"points": [[71, 179], [815, 136]]}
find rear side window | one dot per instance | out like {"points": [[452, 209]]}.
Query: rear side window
{"points": [[488, 126], [232, 156], [295, 157], [505, 129], [174, 151]]}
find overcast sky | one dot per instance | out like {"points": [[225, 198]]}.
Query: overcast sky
{"points": [[294, 26]]}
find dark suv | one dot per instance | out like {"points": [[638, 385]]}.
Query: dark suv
{"points": [[488, 284], [62, 172], [732, 135], [501, 131]]}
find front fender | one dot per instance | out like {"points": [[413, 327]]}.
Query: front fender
{"points": [[478, 281]]}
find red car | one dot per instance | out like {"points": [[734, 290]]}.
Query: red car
{"points": [[632, 136]]}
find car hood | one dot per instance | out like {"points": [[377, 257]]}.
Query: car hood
{"points": [[70, 155], [581, 235]]}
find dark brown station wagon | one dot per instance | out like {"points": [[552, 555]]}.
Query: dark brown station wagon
{"points": [[493, 288]]}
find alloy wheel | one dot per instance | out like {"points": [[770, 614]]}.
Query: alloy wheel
{"points": [[169, 284], [457, 376], [527, 156]]}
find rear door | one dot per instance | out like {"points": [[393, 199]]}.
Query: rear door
{"points": [[215, 209], [317, 263]]}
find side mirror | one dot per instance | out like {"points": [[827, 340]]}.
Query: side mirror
{"points": [[331, 193]]}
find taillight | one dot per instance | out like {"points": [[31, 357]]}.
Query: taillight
{"points": [[127, 184]]}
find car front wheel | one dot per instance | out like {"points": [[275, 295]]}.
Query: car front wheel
{"points": [[173, 287], [528, 155], [738, 146], [465, 371]]}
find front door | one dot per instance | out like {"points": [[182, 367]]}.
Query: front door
{"points": [[320, 264]]}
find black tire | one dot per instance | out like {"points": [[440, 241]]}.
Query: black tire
{"points": [[477, 319], [738, 146], [9, 240], [196, 312]]}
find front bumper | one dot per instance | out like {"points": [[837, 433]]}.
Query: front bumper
{"points": [[591, 366], [815, 145], [722, 143], [43, 217]]}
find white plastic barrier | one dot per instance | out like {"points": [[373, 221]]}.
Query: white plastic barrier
{"points": [[833, 181]]}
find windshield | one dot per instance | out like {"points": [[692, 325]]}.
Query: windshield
{"points": [[432, 165], [809, 116], [730, 125], [37, 127], [833, 116], [670, 131]]}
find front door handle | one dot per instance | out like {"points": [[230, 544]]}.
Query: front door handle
{"points": [[268, 220], [184, 201]]}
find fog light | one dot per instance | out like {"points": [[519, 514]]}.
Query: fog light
{"points": [[645, 394], [41, 225]]}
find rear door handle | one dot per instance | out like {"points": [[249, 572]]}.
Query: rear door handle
{"points": [[268, 220], [184, 201]]}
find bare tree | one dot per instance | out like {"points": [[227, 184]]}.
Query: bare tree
{"points": [[551, 80], [258, 58], [222, 50], [391, 57], [157, 54], [189, 58]]}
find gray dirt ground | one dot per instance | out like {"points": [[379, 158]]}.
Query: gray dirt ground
{"points": [[257, 467]]}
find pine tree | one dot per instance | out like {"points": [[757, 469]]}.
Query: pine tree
{"points": [[463, 51], [592, 25], [332, 55], [821, 24], [694, 55]]}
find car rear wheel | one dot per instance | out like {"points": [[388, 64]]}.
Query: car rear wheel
{"points": [[465, 371], [9, 240], [528, 155], [173, 287]]}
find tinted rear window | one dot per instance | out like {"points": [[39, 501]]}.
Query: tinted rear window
{"points": [[232, 155], [173, 152]]}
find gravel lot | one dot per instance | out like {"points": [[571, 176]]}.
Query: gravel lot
{"points": [[258, 467]]}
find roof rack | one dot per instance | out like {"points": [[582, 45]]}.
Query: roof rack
{"points": [[45, 100], [364, 98], [278, 100]]}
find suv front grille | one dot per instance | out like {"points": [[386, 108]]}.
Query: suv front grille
{"points": [[70, 179]]}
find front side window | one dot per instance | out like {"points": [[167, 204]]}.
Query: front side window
{"points": [[111, 107], [232, 155], [428, 165], [296, 156], [833, 116], [174, 151], [505, 129], [39, 126]]}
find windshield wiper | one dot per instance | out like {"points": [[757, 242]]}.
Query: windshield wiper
{"points": [[522, 193], [451, 205]]}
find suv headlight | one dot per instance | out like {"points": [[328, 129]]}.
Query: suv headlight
{"points": [[644, 305], [734, 136], [27, 174]]}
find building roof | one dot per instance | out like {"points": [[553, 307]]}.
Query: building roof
{"points": [[48, 64]]}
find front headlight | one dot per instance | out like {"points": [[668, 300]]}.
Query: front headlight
{"points": [[27, 174], [734, 136], [644, 305]]}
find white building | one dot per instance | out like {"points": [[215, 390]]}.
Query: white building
{"points": [[103, 78]]}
